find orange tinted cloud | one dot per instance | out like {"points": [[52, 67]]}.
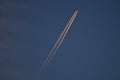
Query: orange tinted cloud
{"points": [[12, 25], [7, 46], [9, 5], [14, 4], [12, 73]]}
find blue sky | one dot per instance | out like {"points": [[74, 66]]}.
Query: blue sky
{"points": [[29, 29]]}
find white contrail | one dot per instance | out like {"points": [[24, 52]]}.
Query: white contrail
{"points": [[59, 41]]}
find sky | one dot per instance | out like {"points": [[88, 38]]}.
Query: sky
{"points": [[29, 29]]}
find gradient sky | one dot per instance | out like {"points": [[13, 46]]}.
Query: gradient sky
{"points": [[29, 29]]}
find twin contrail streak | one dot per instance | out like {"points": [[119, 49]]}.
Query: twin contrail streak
{"points": [[59, 41]]}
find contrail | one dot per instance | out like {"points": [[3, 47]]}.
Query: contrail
{"points": [[59, 41]]}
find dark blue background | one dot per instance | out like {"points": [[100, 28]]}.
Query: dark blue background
{"points": [[90, 51]]}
